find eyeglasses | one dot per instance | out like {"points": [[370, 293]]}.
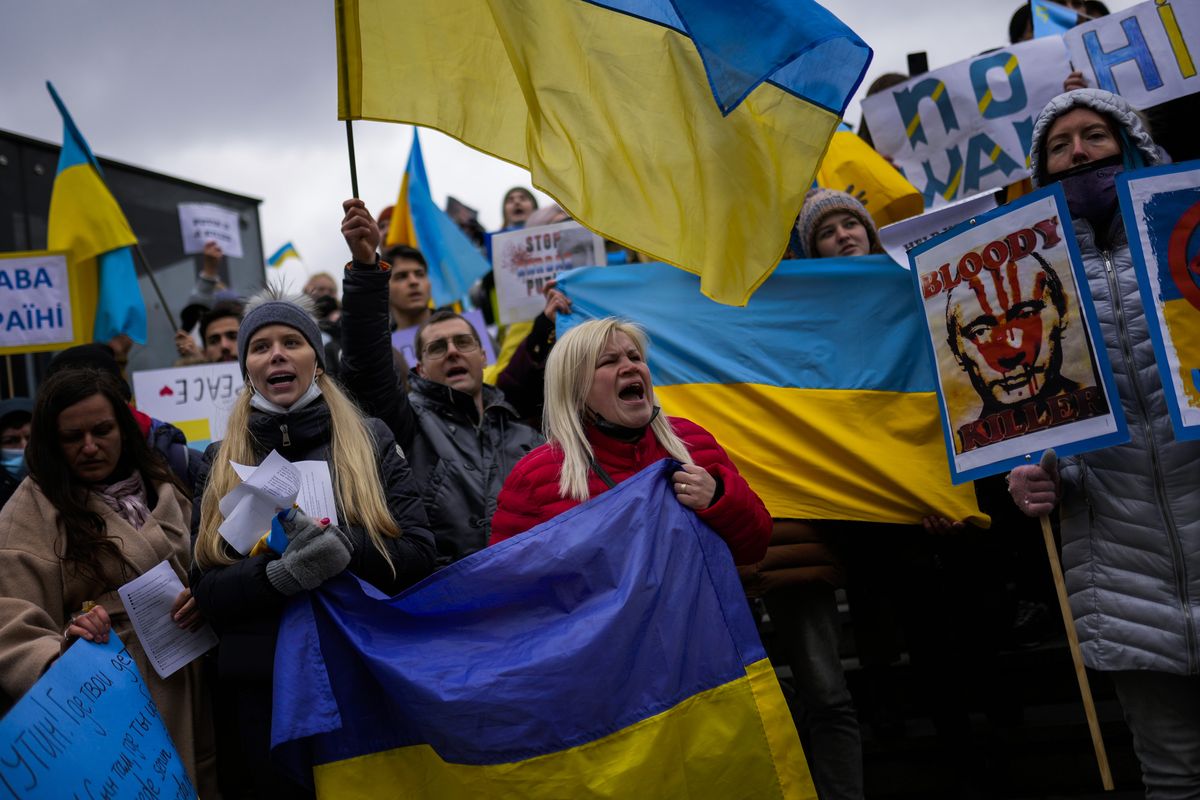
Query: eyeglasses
{"points": [[463, 343]]}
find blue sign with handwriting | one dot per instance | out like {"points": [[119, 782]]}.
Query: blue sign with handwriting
{"points": [[89, 729]]}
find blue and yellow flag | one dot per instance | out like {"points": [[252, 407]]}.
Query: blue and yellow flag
{"points": [[852, 166], [606, 653], [1051, 19], [454, 261], [86, 221], [652, 123], [820, 389], [283, 254]]}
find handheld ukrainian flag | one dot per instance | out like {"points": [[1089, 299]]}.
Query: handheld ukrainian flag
{"points": [[852, 166], [86, 221], [283, 254], [608, 652], [818, 389], [454, 262], [653, 123], [1051, 19]]}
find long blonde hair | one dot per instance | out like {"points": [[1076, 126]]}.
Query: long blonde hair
{"points": [[570, 370], [359, 494]]}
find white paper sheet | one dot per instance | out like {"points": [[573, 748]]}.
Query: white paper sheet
{"points": [[274, 484], [148, 600], [202, 222]]}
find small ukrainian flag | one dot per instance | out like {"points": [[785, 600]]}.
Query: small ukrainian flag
{"points": [[283, 254]]}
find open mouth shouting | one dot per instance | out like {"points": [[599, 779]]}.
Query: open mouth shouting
{"points": [[632, 392]]}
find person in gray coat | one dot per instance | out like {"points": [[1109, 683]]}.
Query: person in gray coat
{"points": [[461, 435], [1130, 514]]}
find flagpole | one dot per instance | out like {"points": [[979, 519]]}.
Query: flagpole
{"points": [[12, 392], [1085, 691], [137, 248], [344, 91], [353, 168]]}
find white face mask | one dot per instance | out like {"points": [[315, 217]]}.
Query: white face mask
{"points": [[263, 404]]}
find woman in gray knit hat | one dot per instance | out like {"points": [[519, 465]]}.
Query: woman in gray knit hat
{"points": [[833, 224], [1130, 514], [289, 405]]}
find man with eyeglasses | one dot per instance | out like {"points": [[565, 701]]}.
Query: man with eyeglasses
{"points": [[461, 436]]}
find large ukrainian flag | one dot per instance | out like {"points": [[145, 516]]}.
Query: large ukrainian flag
{"points": [[607, 653], [86, 221], [689, 130], [454, 261], [819, 389]]}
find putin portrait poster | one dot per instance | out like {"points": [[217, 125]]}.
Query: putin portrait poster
{"points": [[1161, 209], [1016, 348]]}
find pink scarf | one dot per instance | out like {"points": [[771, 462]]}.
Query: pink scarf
{"points": [[128, 499]]}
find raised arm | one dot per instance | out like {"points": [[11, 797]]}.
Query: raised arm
{"points": [[367, 369]]}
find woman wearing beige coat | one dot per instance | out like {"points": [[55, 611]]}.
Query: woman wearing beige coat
{"points": [[98, 509]]}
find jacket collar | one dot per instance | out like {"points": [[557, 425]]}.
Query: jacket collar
{"points": [[612, 451], [446, 400], [1085, 234], [306, 429]]}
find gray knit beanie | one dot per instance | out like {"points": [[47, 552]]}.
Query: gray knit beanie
{"points": [[820, 203], [1106, 104], [271, 307]]}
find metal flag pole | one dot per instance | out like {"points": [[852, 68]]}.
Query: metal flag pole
{"points": [[137, 248]]}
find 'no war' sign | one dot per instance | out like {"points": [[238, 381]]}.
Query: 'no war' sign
{"points": [[967, 128]]}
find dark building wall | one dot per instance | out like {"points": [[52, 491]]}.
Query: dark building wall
{"points": [[150, 201]]}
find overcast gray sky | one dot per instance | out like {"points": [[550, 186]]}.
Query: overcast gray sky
{"points": [[241, 95]]}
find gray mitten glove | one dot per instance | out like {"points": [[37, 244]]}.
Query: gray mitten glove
{"points": [[313, 556]]}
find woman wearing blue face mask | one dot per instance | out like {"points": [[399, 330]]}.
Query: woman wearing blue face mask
{"points": [[16, 415], [291, 406]]}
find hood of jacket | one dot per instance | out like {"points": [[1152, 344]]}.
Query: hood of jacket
{"points": [[1114, 107]]}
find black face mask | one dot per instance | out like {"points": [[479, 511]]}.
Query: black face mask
{"points": [[1091, 188], [620, 432]]}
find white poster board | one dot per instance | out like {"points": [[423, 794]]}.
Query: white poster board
{"points": [[966, 128], [1148, 54], [900, 237], [203, 222], [1161, 207], [35, 302], [524, 261], [1014, 339], [196, 399]]}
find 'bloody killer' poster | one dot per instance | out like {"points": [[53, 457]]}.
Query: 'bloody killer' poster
{"points": [[1020, 363]]}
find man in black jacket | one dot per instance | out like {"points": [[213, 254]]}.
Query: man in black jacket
{"points": [[461, 435]]}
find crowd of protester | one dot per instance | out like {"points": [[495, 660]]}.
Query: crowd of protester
{"points": [[430, 464]]}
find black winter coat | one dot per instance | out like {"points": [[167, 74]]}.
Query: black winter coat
{"points": [[245, 609], [460, 460]]}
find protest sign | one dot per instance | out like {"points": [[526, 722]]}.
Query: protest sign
{"points": [[404, 338], [1161, 207], [88, 728], [203, 222], [967, 127], [900, 237], [524, 261], [1147, 54], [1016, 346], [40, 308], [195, 399]]}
